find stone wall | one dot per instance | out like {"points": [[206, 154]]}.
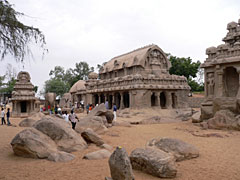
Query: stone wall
{"points": [[195, 102]]}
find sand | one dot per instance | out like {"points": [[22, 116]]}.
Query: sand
{"points": [[219, 155]]}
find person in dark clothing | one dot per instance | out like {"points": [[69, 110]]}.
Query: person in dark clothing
{"points": [[8, 116]]}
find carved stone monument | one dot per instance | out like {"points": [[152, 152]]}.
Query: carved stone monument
{"points": [[23, 96], [222, 70], [137, 79]]}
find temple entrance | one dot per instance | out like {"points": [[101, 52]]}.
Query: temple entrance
{"points": [[153, 100], [102, 98], [96, 97], [162, 100], [118, 100], [174, 100], [23, 106], [110, 103], [126, 99], [231, 82]]}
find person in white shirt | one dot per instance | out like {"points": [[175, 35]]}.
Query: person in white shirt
{"points": [[73, 118], [3, 116], [65, 116]]}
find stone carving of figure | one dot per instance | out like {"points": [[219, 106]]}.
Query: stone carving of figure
{"points": [[210, 84]]}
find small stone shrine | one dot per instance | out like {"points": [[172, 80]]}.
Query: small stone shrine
{"points": [[222, 71], [23, 97]]}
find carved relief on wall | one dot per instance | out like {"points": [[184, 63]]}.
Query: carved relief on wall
{"points": [[210, 84], [156, 58]]}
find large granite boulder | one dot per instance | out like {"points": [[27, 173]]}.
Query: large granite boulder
{"points": [[154, 161], [120, 166], [27, 122], [98, 110], [31, 143], [100, 154], [109, 116], [180, 149], [91, 137], [66, 139], [196, 118], [224, 119], [94, 122]]}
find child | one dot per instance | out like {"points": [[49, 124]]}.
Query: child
{"points": [[3, 116]]}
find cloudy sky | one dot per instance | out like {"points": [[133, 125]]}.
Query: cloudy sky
{"points": [[97, 30]]}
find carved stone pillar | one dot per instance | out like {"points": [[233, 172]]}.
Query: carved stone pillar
{"points": [[113, 98], [220, 83], [121, 104], [157, 99], [99, 98], [168, 100], [130, 99], [238, 94]]}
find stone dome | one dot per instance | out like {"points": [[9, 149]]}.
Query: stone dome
{"points": [[232, 25], [92, 75], [211, 50], [78, 86], [222, 47]]}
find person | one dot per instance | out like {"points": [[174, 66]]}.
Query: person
{"points": [[87, 108], [59, 110], [56, 110], [3, 116], [90, 108], [73, 118], [8, 116], [65, 116], [114, 112], [106, 104], [49, 109]]}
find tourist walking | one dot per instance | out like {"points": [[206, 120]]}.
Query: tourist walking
{"points": [[106, 104], [3, 116], [87, 108], [65, 116], [114, 112], [73, 118], [8, 116]]}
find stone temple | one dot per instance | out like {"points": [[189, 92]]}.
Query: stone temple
{"points": [[23, 98], [137, 79], [222, 71]]}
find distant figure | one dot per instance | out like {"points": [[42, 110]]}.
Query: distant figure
{"points": [[8, 116], [114, 112], [56, 110], [3, 116], [106, 104], [73, 118], [49, 109], [87, 108], [65, 116], [90, 108], [59, 111]]}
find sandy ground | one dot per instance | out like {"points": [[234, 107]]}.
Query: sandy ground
{"points": [[219, 156]]}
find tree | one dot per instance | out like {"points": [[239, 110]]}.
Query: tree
{"points": [[57, 86], [15, 37], [185, 67]]}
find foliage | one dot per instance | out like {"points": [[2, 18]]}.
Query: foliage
{"points": [[15, 37], [8, 87], [35, 88], [61, 81], [185, 67]]}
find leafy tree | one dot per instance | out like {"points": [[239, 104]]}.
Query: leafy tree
{"points": [[185, 67], [35, 88], [9, 86], [15, 37], [81, 71], [57, 86]]}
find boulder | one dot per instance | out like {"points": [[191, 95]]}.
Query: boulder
{"points": [[224, 119], [98, 110], [120, 166], [60, 156], [91, 137], [196, 118], [33, 144], [106, 146], [154, 161], [181, 150], [28, 122], [109, 116], [66, 139], [184, 114], [94, 122], [151, 120], [100, 154]]}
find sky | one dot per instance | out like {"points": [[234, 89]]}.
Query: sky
{"points": [[95, 31]]}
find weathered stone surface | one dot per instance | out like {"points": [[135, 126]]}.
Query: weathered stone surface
{"points": [[60, 156], [94, 122], [28, 122], [121, 123], [120, 166], [181, 150], [154, 161], [206, 112], [224, 119], [184, 114], [106, 146], [37, 115], [109, 116], [33, 144], [66, 139], [98, 110], [100, 154], [151, 120], [91, 137], [196, 117]]}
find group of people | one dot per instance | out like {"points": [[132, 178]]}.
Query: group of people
{"points": [[7, 115]]}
